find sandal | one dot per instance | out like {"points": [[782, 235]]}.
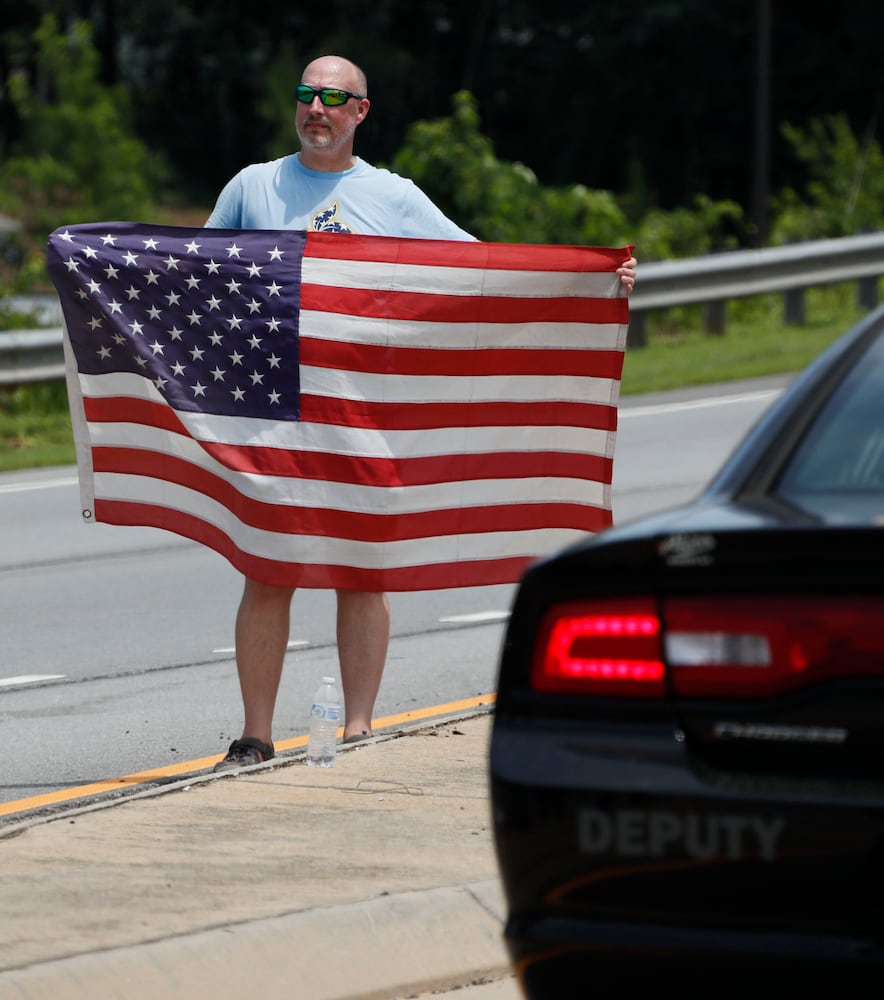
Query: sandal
{"points": [[245, 753]]}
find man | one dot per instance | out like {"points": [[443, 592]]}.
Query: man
{"points": [[324, 187]]}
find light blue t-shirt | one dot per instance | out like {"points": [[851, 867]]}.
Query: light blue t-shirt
{"points": [[284, 194]]}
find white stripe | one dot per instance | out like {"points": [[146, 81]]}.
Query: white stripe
{"points": [[456, 389], [333, 439], [321, 550], [464, 281], [378, 500], [461, 336]]}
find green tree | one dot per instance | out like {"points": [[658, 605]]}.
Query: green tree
{"points": [[77, 158], [455, 164], [845, 191]]}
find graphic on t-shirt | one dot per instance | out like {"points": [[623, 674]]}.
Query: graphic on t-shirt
{"points": [[326, 221]]}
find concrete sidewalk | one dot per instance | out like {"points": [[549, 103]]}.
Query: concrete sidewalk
{"points": [[372, 879]]}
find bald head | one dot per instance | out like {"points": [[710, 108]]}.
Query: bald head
{"points": [[335, 71]]}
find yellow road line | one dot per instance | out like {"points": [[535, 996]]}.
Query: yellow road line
{"points": [[202, 763]]}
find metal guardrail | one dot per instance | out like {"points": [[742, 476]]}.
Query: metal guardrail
{"points": [[37, 356]]}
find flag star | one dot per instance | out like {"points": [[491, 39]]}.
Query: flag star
{"points": [[178, 368], [197, 353], [173, 298], [213, 303], [119, 338], [193, 246], [66, 236], [238, 394], [141, 362], [114, 306], [276, 253], [256, 378], [233, 250], [236, 358], [90, 252], [254, 341], [154, 313], [133, 293], [273, 288], [175, 333], [82, 294], [104, 353], [112, 240], [273, 324], [111, 271], [212, 267], [150, 244], [171, 263], [152, 277], [234, 322], [72, 265], [255, 270], [193, 317], [273, 361], [199, 389], [130, 258], [95, 322], [160, 383], [157, 348], [94, 287], [233, 286], [216, 339], [135, 327], [254, 306], [193, 281], [218, 373], [273, 396]]}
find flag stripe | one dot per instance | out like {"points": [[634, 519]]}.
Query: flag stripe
{"points": [[307, 548], [381, 359], [440, 308], [353, 525], [254, 435], [432, 576]]}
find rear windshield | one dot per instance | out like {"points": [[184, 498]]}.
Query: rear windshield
{"points": [[839, 466]]}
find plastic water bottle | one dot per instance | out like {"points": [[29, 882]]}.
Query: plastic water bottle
{"points": [[325, 717]]}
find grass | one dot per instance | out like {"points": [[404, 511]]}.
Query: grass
{"points": [[35, 428]]}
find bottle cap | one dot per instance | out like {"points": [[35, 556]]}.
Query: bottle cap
{"points": [[328, 680]]}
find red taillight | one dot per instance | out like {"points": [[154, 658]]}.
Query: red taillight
{"points": [[606, 648], [750, 647], [711, 647]]}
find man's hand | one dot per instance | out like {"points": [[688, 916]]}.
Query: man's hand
{"points": [[627, 274]]}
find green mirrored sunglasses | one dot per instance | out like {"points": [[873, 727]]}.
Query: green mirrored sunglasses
{"points": [[331, 97]]}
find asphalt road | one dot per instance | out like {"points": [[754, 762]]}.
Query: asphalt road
{"points": [[117, 642]]}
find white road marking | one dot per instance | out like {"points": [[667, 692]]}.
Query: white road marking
{"points": [[29, 679], [44, 484], [477, 616], [292, 644]]}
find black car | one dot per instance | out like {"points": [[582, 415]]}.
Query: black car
{"points": [[687, 755]]}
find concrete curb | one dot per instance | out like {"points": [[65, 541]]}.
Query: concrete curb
{"points": [[396, 946]]}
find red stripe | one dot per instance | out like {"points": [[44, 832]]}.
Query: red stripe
{"points": [[422, 416], [383, 359], [381, 416], [353, 525], [443, 253], [440, 308], [128, 409], [436, 576], [418, 471]]}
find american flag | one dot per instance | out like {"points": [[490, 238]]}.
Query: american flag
{"points": [[330, 410]]}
